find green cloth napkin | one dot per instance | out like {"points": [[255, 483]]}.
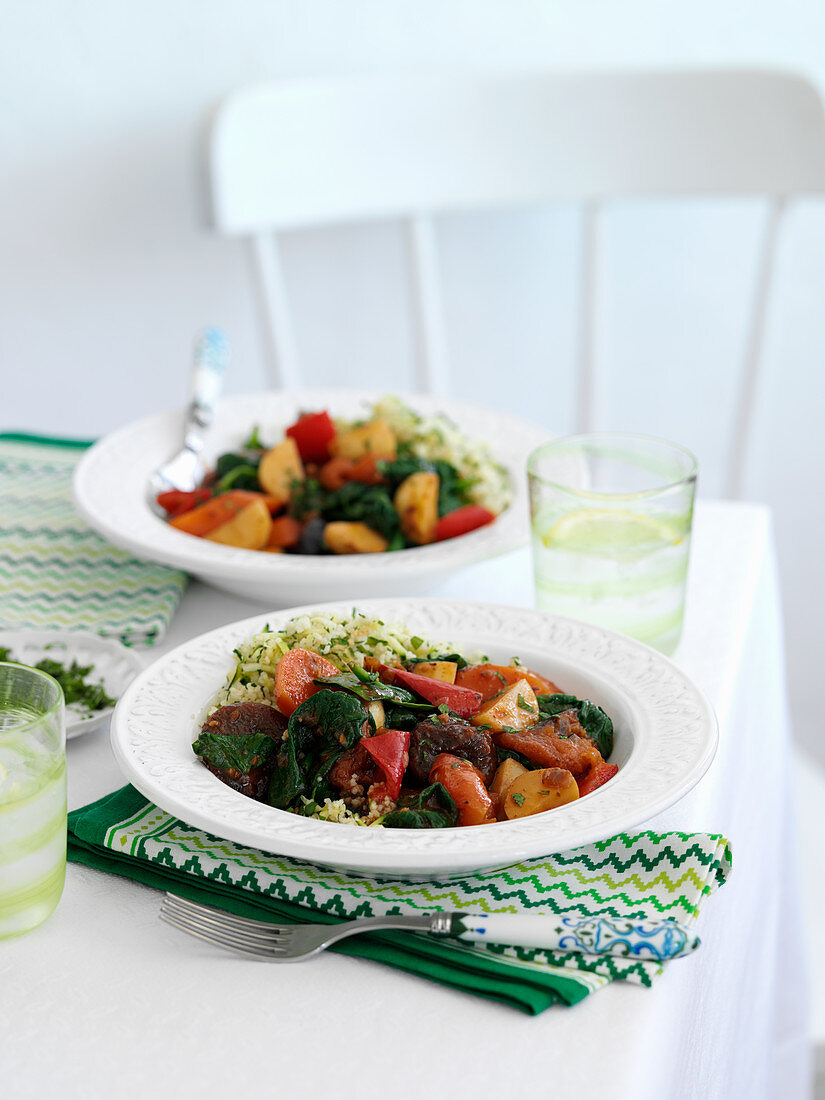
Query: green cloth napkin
{"points": [[649, 875], [54, 570]]}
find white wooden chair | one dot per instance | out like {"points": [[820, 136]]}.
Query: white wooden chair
{"points": [[322, 152]]}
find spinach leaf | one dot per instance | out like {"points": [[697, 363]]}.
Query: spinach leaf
{"points": [[359, 503], [368, 689], [367, 686], [336, 717], [597, 724], [452, 488], [432, 808], [290, 776], [242, 477], [405, 717], [236, 471], [235, 751], [455, 657], [307, 496], [319, 731], [511, 754]]}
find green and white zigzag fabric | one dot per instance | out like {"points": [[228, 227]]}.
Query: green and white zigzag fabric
{"points": [[55, 571], [648, 875]]}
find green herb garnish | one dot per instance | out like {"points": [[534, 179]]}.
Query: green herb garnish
{"points": [[72, 680]]}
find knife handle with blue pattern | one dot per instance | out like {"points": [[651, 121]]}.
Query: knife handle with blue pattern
{"points": [[652, 940]]}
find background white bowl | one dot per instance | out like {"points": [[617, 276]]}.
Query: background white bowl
{"points": [[111, 492], [665, 738]]}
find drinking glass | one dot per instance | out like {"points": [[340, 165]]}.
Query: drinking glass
{"points": [[611, 518], [32, 797]]}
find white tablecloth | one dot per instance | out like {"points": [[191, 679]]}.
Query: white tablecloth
{"points": [[105, 1001]]}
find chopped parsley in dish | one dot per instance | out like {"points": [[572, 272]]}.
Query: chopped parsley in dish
{"points": [[73, 680]]}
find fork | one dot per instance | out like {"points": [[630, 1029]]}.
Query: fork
{"points": [[651, 940], [186, 469]]}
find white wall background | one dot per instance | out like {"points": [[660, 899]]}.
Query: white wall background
{"points": [[107, 270]]}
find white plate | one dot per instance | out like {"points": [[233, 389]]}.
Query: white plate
{"points": [[665, 740], [114, 665], [111, 493]]}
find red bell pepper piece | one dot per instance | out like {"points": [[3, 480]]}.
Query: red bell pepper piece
{"points": [[391, 752], [462, 701], [178, 501], [595, 777], [462, 521], [313, 433]]}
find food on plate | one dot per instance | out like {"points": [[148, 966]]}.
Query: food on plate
{"points": [[393, 481], [73, 679], [349, 719]]}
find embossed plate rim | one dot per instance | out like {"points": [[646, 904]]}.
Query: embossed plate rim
{"points": [[672, 742]]}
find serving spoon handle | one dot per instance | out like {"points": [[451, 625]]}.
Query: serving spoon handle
{"points": [[185, 470], [211, 359]]}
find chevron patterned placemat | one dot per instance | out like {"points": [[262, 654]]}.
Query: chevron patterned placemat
{"points": [[647, 875], [55, 571]]}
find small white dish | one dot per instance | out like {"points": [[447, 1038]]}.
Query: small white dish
{"points": [[115, 666], [665, 739], [111, 492]]}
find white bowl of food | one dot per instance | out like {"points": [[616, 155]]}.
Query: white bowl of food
{"points": [[519, 735], [404, 542]]}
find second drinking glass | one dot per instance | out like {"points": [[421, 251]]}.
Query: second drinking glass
{"points": [[611, 520]]}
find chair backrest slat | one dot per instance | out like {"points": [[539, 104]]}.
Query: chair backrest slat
{"points": [[748, 388], [276, 317], [589, 251], [432, 366]]}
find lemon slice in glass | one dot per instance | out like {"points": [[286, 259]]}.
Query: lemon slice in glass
{"points": [[610, 533]]}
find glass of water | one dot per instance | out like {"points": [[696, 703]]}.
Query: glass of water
{"points": [[611, 518], [32, 797]]}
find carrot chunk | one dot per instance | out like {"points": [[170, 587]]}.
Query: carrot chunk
{"points": [[295, 678]]}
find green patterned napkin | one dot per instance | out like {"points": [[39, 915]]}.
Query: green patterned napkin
{"points": [[650, 875], [54, 570]]}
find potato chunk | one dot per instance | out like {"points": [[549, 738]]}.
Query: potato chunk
{"points": [[443, 671], [376, 709], [535, 792], [375, 437], [507, 772], [416, 501], [248, 530], [353, 538], [280, 468], [516, 708]]}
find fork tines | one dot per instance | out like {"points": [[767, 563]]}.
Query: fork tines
{"points": [[250, 937]]}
